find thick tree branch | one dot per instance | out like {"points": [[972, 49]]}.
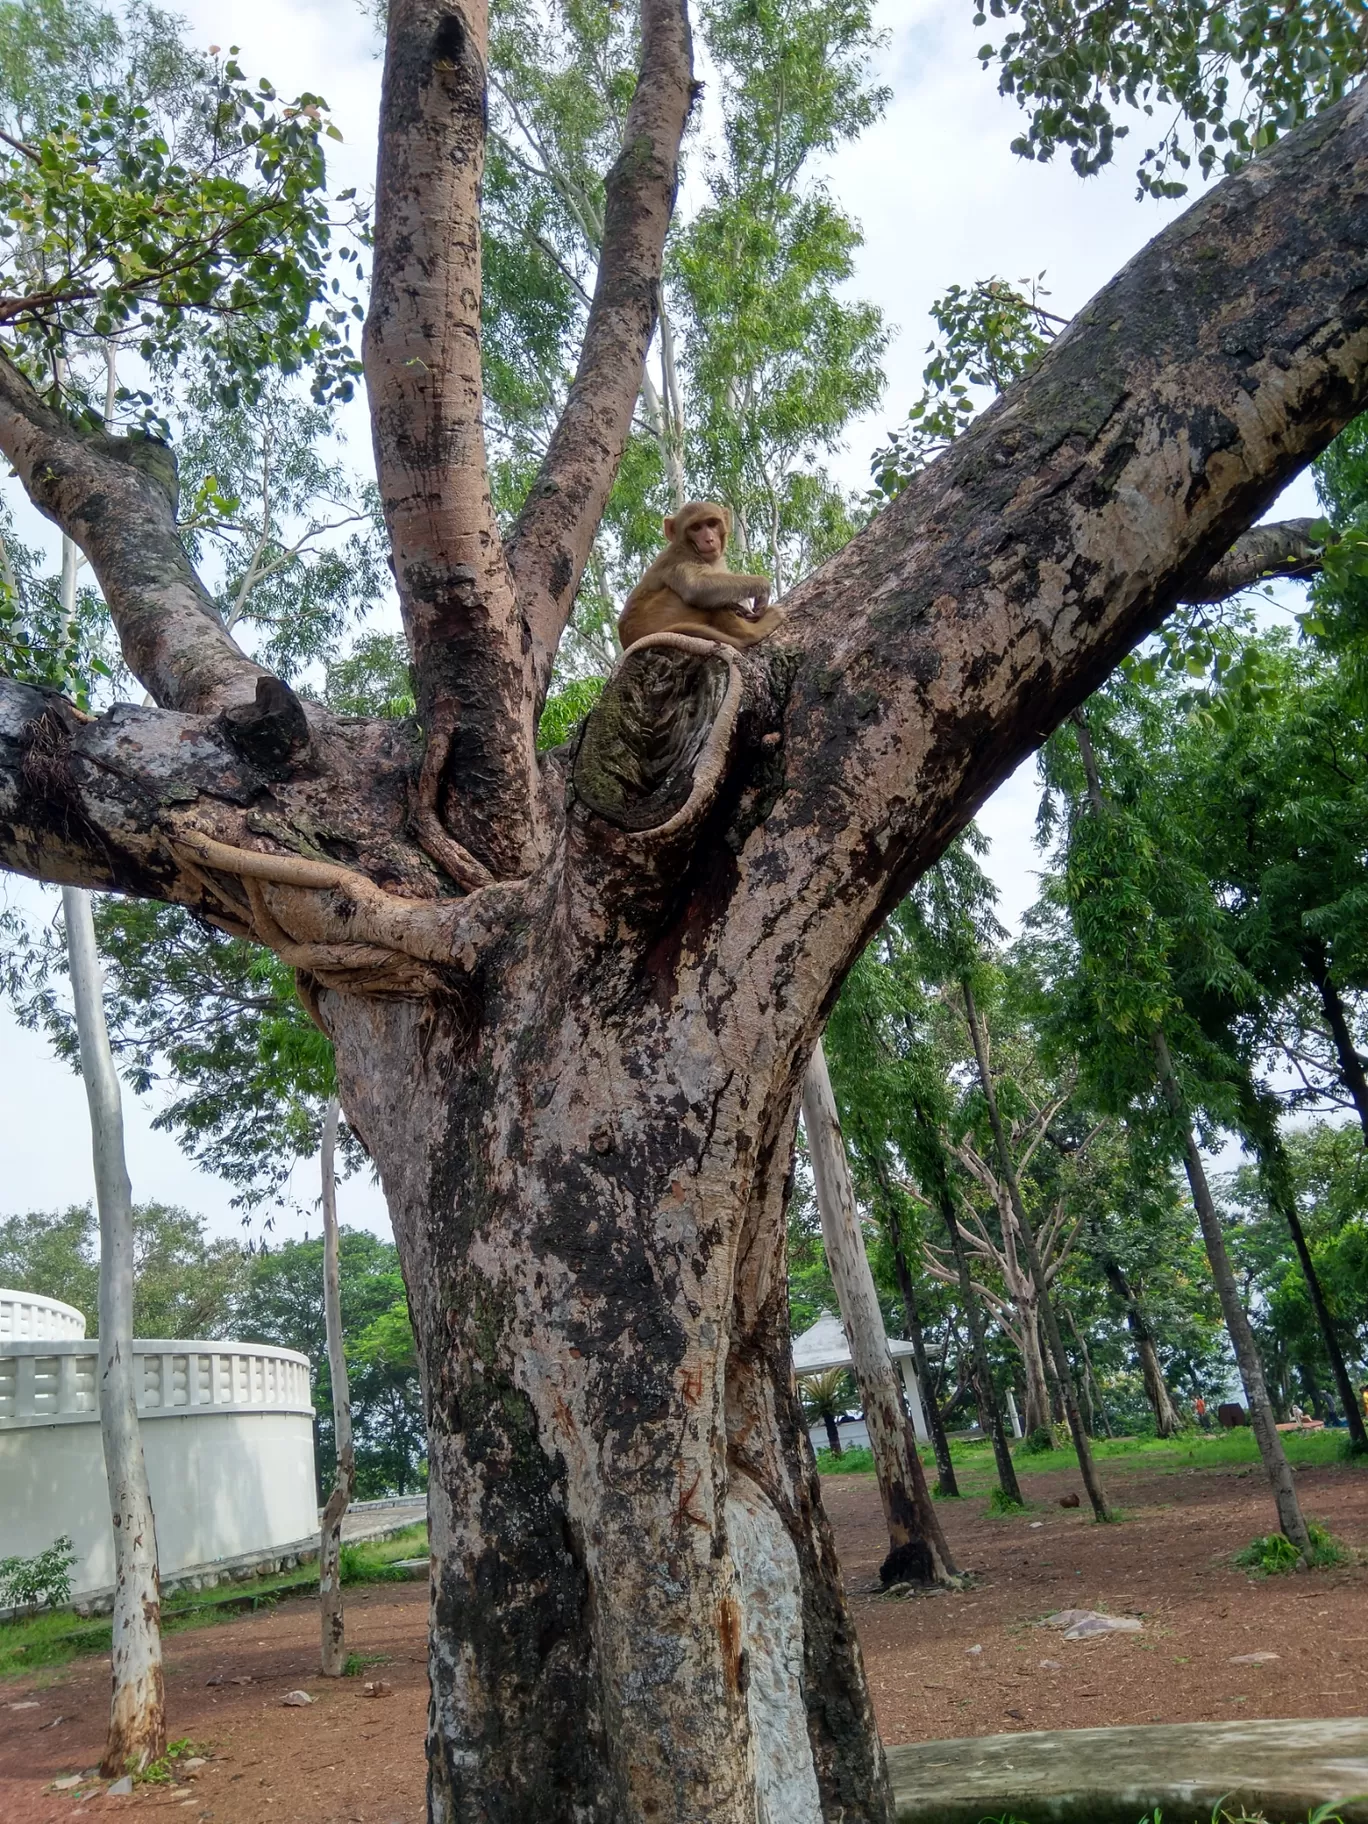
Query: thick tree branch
{"points": [[550, 544], [946, 641], [1284, 549], [423, 372], [117, 498], [119, 801]]}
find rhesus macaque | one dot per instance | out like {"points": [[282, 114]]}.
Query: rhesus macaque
{"points": [[689, 589]]}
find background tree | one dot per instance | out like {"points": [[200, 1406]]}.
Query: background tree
{"points": [[183, 1283]]}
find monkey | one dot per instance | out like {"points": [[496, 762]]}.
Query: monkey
{"points": [[688, 589]]}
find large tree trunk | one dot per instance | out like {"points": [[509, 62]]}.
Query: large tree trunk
{"points": [[637, 1610], [333, 1656], [917, 1550], [1167, 1419], [1261, 1416], [1007, 1167], [573, 994], [137, 1711]]}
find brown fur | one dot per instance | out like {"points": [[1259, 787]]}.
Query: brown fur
{"points": [[685, 592]]}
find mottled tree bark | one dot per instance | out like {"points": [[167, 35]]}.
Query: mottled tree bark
{"points": [[579, 1079], [333, 1648]]}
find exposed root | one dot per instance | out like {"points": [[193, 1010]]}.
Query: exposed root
{"points": [[336, 927]]}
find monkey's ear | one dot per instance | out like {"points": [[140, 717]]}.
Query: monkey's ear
{"points": [[669, 528], [726, 525]]}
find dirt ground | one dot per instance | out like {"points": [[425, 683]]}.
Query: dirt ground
{"points": [[353, 1759]]}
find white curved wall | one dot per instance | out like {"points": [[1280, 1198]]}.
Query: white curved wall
{"points": [[227, 1431], [28, 1317]]}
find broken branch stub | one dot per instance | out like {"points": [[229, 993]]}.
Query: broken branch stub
{"points": [[655, 745]]}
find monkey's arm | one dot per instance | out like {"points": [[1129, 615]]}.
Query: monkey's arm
{"points": [[702, 586]]}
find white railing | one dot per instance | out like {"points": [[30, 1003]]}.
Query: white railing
{"points": [[29, 1317], [54, 1383]]}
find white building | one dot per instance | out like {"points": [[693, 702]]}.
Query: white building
{"points": [[824, 1347], [227, 1432]]}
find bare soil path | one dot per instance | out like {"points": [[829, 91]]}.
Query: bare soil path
{"points": [[353, 1759]]}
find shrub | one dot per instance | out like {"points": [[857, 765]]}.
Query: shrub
{"points": [[1274, 1553], [1037, 1441], [26, 1582], [1000, 1502]]}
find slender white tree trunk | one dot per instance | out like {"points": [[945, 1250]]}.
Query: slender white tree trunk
{"points": [[137, 1715], [344, 1477], [917, 1547]]}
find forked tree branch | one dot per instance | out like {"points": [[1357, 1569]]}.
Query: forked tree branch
{"points": [[116, 496], [423, 372], [549, 546]]}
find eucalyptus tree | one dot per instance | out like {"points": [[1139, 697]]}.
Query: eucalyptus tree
{"points": [[865, 1080], [891, 1078], [1141, 913], [572, 1033], [953, 903]]}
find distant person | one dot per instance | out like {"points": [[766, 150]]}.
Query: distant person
{"points": [[1363, 1398], [1199, 1408], [1333, 1422]]}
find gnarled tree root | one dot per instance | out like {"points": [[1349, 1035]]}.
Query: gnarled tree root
{"points": [[335, 925]]}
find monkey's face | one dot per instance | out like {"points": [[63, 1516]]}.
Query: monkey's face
{"points": [[708, 538]]}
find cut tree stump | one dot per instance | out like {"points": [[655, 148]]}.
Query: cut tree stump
{"points": [[1281, 1770]]}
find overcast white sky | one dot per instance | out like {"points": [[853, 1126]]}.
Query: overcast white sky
{"points": [[941, 200]]}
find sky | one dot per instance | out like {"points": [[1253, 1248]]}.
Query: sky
{"points": [[941, 201]]}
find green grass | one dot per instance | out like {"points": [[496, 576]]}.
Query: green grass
{"points": [[1000, 1502], [1323, 1814], [1274, 1553], [43, 1641], [974, 1471], [162, 1771]]}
